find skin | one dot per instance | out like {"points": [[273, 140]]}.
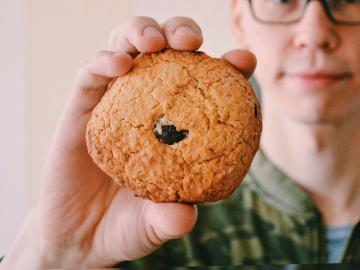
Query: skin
{"points": [[309, 73], [83, 218]]}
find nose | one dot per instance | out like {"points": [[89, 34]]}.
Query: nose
{"points": [[315, 30]]}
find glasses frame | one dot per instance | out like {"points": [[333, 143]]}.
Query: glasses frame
{"points": [[325, 5]]}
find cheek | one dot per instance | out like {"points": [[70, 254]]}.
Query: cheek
{"points": [[269, 44]]}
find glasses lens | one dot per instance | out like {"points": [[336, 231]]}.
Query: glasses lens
{"points": [[278, 11], [345, 10]]}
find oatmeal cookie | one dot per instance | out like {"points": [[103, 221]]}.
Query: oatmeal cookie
{"points": [[180, 127]]}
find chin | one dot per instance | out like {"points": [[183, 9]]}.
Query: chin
{"points": [[328, 116], [323, 107]]}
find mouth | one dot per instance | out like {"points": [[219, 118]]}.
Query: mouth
{"points": [[318, 79]]}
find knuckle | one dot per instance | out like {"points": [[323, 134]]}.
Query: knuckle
{"points": [[132, 26], [81, 74], [101, 53], [140, 21], [114, 36]]}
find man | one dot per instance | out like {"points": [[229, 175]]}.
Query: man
{"points": [[288, 211]]}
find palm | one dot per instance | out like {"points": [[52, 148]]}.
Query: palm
{"points": [[76, 194], [82, 206]]}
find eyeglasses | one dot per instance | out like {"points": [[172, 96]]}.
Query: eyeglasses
{"points": [[346, 12]]}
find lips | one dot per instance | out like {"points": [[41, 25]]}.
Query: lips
{"points": [[318, 79]]}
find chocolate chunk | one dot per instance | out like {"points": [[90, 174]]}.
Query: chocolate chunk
{"points": [[168, 134], [255, 111]]}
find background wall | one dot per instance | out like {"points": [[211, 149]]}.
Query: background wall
{"points": [[43, 44], [12, 118]]}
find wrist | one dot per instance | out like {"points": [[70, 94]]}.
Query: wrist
{"points": [[25, 252], [29, 250]]}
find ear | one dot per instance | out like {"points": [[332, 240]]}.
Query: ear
{"points": [[237, 29]]}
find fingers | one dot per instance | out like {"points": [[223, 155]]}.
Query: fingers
{"points": [[182, 33], [98, 71], [140, 34], [93, 78], [144, 34], [169, 221], [243, 60], [134, 227]]}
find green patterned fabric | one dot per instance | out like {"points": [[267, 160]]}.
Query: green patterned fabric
{"points": [[267, 220]]}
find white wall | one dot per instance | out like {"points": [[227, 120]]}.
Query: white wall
{"points": [[13, 170]]}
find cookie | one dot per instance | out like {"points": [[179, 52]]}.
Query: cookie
{"points": [[179, 127]]}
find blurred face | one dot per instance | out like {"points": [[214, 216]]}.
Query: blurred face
{"points": [[309, 70]]}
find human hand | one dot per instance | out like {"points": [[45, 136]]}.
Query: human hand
{"points": [[83, 218]]}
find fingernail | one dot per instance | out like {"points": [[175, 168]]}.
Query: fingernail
{"points": [[151, 31], [185, 30]]}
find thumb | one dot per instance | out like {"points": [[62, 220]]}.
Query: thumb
{"points": [[169, 221]]}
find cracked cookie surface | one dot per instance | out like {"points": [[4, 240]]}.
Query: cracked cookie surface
{"points": [[179, 127]]}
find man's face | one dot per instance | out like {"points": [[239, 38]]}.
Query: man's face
{"points": [[309, 70]]}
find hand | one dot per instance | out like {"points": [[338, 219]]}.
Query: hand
{"points": [[83, 218]]}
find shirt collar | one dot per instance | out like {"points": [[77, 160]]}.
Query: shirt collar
{"points": [[278, 189]]}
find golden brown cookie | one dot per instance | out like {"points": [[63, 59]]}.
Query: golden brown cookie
{"points": [[180, 127]]}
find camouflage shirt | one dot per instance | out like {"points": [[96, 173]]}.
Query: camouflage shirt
{"points": [[267, 220]]}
